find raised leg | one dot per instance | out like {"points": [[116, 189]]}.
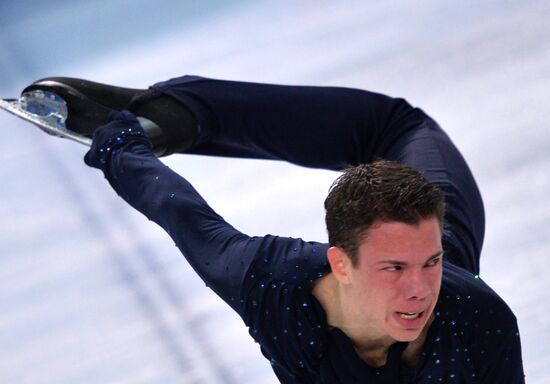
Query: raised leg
{"points": [[332, 128]]}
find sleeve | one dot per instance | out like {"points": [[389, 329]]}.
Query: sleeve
{"points": [[217, 252]]}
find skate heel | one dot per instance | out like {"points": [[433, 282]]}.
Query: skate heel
{"points": [[44, 105]]}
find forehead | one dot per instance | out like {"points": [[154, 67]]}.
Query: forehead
{"points": [[401, 241]]}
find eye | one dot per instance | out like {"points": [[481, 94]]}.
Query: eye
{"points": [[433, 262], [393, 268]]}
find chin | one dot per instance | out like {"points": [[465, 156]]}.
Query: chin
{"points": [[406, 336], [402, 334], [402, 328]]}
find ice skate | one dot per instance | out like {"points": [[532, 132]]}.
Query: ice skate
{"points": [[68, 107], [75, 108]]}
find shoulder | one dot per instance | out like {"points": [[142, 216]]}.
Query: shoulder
{"points": [[285, 260], [481, 324], [467, 292]]}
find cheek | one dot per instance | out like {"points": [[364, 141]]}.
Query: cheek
{"points": [[376, 290], [385, 284], [379, 292]]}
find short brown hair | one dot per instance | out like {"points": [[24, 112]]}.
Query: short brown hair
{"points": [[380, 191]]}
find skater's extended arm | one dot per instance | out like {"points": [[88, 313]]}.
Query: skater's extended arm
{"points": [[219, 253], [124, 154]]}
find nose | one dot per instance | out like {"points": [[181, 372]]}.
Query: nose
{"points": [[416, 285]]}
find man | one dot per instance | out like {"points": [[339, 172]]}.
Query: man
{"points": [[395, 296]]}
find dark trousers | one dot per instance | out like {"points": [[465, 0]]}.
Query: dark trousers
{"points": [[332, 128]]}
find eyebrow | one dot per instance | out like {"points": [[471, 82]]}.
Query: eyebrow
{"points": [[398, 262]]}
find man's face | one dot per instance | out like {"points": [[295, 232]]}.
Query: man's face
{"points": [[397, 280]]}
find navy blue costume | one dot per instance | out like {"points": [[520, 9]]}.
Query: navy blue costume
{"points": [[268, 280]]}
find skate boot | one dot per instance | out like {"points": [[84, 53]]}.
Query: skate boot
{"points": [[78, 107], [86, 105]]}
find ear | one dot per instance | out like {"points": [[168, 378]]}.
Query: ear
{"points": [[340, 264]]}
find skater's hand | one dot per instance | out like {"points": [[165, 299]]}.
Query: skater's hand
{"points": [[122, 132]]}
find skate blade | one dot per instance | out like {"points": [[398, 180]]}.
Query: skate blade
{"points": [[46, 110]]}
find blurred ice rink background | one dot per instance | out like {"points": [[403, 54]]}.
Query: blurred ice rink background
{"points": [[91, 292]]}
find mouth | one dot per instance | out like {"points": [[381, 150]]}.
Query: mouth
{"points": [[410, 321], [410, 315]]}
